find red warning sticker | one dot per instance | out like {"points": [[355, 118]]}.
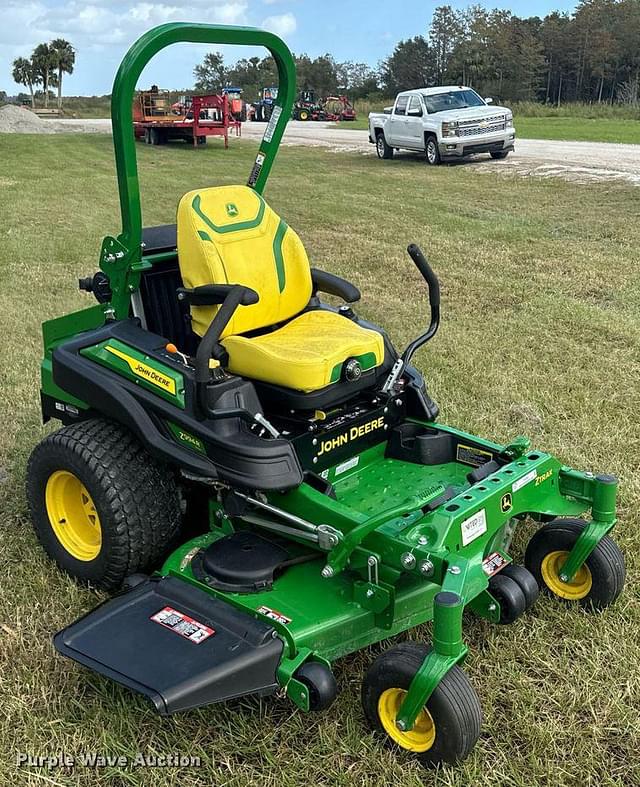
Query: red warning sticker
{"points": [[493, 563], [273, 614], [182, 624]]}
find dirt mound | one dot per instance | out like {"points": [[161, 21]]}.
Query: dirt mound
{"points": [[18, 120]]}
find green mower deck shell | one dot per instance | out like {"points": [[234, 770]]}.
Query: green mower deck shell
{"points": [[330, 617]]}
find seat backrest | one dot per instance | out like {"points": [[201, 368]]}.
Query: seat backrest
{"points": [[229, 235]]}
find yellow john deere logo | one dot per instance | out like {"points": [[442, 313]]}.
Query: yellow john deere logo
{"points": [[145, 372], [232, 210], [506, 504], [353, 434]]}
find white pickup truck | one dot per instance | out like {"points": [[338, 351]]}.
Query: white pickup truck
{"points": [[445, 123]]}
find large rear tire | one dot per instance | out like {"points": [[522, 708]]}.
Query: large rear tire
{"points": [[101, 507]]}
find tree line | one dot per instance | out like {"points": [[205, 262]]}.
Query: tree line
{"points": [[45, 68], [591, 55], [322, 74]]}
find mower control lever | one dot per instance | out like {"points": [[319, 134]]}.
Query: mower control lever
{"points": [[434, 303], [215, 294], [231, 296], [429, 276]]}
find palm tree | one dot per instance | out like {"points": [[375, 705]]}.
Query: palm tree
{"points": [[24, 74], [64, 56], [43, 63]]}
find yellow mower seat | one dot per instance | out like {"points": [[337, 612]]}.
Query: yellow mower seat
{"points": [[229, 235], [307, 353]]}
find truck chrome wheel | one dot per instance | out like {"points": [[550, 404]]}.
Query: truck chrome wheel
{"points": [[433, 154]]}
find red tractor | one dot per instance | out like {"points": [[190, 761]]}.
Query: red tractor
{"points": [[331, 108]]}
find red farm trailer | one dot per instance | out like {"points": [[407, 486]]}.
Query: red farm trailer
{"points": [[193, 118]]}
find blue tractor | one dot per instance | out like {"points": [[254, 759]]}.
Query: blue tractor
{"points": [[263, 107]]}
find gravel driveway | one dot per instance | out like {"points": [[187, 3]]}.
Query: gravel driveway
{"points": [[576, 161]]}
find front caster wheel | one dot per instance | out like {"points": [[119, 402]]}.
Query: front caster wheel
{"points": [[598, 582], [446, 728]]}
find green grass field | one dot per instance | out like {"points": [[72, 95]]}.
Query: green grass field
{"points": [[579, 129], [569, 128], [540, 336], [579, 122]]}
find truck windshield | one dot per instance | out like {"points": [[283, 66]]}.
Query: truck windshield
{"points": [[453, 99]]}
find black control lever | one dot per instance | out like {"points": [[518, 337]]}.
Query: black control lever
{"points": [[434, 303]]}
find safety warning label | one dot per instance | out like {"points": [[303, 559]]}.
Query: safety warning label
{"points": [[182, 624], [471, 455], [493, 563], [273, 614]]}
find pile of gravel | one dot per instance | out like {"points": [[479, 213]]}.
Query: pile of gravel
{"points": [[18, 120]]}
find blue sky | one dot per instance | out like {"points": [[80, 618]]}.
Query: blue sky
{"points": [[360, 30]]}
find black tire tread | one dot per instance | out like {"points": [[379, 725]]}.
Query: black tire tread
{"points": [[509, 595], [606, 551], [525, 580], [454, 689], [140, 493]]}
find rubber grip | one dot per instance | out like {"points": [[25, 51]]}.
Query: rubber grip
{"points": [[427, 274]]}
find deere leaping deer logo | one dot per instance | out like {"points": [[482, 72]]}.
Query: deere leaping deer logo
{"points": [[232, 210]]}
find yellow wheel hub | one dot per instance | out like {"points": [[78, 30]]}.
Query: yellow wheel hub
{"points": [[73, 516], [579, 586], [423, 734]]}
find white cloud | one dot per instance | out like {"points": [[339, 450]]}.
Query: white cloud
{"points": [[281, 24], [100, 30], [92, 25]]}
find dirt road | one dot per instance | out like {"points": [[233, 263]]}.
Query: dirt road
{"points": [[576, 161]]}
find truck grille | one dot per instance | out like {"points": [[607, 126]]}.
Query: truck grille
{"points": [[473, 128]]}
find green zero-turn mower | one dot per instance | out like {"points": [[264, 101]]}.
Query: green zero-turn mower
{"points": [[286, 463]]}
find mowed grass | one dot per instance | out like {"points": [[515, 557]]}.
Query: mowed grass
{"points": [[540, 335], [579, 129]]}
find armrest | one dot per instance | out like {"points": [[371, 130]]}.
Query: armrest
{"points": [[215, 294], [334, 285]]}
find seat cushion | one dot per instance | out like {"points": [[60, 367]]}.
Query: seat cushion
{"points": [[307, 353]]}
